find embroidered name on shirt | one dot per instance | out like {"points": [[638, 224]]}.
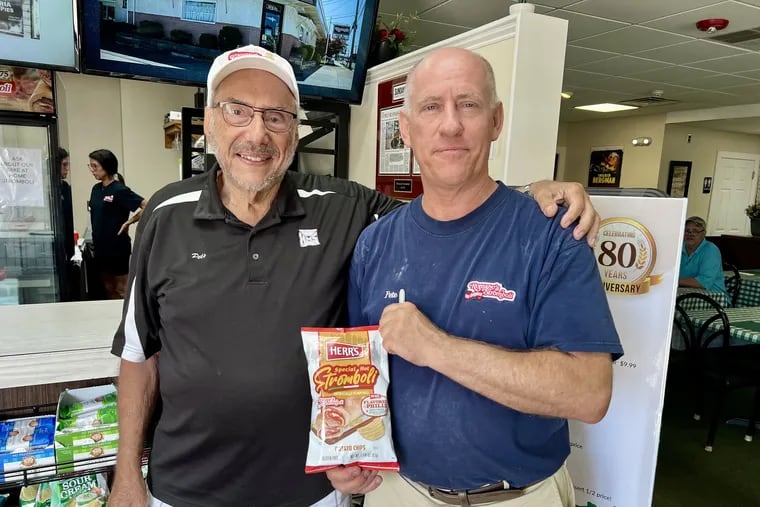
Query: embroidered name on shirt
{"points": [[308, 237], [493, 290], [197, 255], [108, 198]]}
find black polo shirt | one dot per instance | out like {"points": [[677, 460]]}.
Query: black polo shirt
{"points": [[110, 206], [224, 302]]}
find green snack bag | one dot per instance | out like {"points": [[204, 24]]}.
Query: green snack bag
{"points": [[28, 496], [87, 406], [106, 415], [44, 495], [85, 491]]}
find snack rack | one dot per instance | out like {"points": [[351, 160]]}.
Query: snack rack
{"points": [[46, 473]]}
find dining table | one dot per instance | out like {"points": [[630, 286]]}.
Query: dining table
{"points": [[749, 292], [744, 323]]}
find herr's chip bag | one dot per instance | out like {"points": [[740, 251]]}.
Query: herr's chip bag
{"points": [[350, 418]]}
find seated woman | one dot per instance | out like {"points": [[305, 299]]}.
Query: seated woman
{"points": [[701, 262]]}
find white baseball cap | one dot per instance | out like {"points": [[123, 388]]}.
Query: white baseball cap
{"points": [[249, 57]]}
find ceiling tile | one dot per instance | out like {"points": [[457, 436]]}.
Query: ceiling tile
{"points": [[683, 76], [581, 26], [554, 4], [752, 74], [740, 16], [622, 66], [427, 32], [582, 79], [740, 63], [469, 13], [578, 56], [394, 6], [638, 87], [722, 81], [630, 40], [692, 51], [635, 11]]}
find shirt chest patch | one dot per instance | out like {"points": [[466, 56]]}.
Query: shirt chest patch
{"points": [[478, 290], [108, 198], [308, 237]]}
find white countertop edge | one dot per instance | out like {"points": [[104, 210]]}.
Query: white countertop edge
{"points": [[53, 367]]}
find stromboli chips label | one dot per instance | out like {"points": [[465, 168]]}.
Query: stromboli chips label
{"points": [[350, 419]]}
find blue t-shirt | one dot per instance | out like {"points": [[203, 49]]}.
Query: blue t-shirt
{"points": [[503, 274], [706, 265]]}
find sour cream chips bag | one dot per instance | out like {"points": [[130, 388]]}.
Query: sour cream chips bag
{"points": [[350, 418]]}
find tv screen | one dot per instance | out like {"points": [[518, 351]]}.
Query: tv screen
{"points": [[37, 35], [326, 41]]}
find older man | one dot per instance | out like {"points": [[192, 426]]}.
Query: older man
{"points": [[701, 262], [227, 268], [505, 332]]}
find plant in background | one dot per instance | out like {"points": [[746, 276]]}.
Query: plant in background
{"points": [[395, 31], [753, 211]]}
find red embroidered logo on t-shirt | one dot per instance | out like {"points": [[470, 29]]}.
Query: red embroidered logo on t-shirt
{"points": [[494, 290]]}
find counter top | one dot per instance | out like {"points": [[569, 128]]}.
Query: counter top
{"points": [[57, 342]]}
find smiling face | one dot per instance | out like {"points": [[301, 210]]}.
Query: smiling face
{"points": [[252, 158], [450, 119]]}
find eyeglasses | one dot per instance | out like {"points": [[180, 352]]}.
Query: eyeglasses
{"points": [[241, 115], [694, 231]]}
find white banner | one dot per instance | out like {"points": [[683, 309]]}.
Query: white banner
{"points": [[21, 177], [638, 252]]}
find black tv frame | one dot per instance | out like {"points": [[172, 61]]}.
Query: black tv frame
{"points": [[76, 26], [90, 48]]}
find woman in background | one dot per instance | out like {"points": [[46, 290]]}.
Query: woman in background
{"points": [[111, 203], [68, 292]]}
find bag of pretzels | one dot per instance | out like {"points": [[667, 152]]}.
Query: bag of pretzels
{"points": [[350, 418]]}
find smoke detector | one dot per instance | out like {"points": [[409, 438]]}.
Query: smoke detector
{"points": [[712, 25]]}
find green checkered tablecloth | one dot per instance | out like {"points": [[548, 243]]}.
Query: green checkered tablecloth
{"points": [[745, 322], [749, 292], [696, 304]]}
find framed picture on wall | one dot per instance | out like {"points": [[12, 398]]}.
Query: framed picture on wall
{"points": [[604, 167], [679, 174]]}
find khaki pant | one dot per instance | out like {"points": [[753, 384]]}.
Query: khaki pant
{"points": [[555, 491]]}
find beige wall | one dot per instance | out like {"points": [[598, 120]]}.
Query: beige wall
{"points": [[121, 115], [702, 152], [641, 165]]}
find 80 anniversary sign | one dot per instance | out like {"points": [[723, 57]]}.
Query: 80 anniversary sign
{"points": [[626, 253]]}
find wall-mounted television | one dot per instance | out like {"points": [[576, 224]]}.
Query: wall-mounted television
{"points": [[39, 33], [326, 41]]}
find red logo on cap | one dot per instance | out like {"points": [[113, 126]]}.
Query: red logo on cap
{"points": [[238, 54]]}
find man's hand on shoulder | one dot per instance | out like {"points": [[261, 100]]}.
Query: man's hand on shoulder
{"points": [[549, 194]]}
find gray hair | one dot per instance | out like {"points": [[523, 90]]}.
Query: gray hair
{"points": [[490, 83]]}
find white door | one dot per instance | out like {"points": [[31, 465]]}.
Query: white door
{"points": [[734, 187]]}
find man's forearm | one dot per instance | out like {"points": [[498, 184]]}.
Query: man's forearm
{"points": [[542, 382], [138, 385], [690, 282]]}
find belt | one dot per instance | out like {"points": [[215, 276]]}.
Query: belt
{"points": [[485, 494]]}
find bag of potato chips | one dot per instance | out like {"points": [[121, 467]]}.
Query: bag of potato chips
{"points": [[350, 418]]}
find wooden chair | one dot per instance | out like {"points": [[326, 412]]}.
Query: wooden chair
{"points": [[714, 363], [733, 283]]}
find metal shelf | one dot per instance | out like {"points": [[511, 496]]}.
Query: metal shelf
{"points": [[33, 475]]}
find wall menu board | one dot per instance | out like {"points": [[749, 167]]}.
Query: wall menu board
{"points": [[396, 173], [39, 33], [26, 90]]}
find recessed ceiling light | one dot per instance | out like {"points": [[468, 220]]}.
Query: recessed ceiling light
{"points": [[567, 95], [605, 108]]}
